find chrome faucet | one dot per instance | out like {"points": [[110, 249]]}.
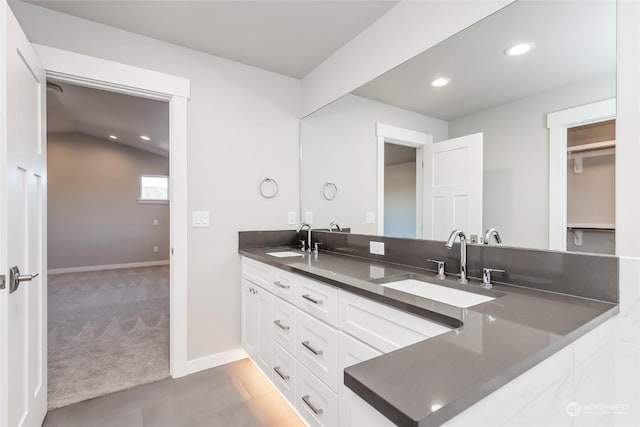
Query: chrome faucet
{"points": [[304, 224], [463, 252], [491, 232], [334, 224]]}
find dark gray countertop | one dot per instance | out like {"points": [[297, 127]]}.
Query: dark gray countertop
{"points": [[430, 382]]}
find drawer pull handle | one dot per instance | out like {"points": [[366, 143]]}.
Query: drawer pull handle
{"points": [[313, 300], [280, 285], [306, 345], [281, 326], [280, 374], [307, 402]]}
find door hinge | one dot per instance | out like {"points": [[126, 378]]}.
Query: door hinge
{"points": [[171, 251], [2, 280]]}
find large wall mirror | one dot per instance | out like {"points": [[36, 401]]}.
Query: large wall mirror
{"points": [[508, 124]]}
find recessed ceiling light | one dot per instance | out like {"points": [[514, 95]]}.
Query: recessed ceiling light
{"points": [[113, 137], [440, 82], [145, 138], [519, 49]]}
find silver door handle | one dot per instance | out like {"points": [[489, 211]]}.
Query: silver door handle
{"points": [[313, 300], [315, 410], [306, 345], [281, 326], [15, 278], [280, 285], [280, 374]]}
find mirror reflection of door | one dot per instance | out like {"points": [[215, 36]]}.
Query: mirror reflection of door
{"points": [[400, 210], [591, 188]]}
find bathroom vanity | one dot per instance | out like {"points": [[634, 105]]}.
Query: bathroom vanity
{"points": [[345, 347]]}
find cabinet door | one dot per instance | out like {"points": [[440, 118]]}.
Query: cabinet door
{"points": [[249, 318], [264, 307], [350, 352]]}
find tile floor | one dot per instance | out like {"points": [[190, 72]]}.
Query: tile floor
{"points": [[236, 394]]}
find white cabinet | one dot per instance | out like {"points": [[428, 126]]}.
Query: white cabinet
{"points": [[302, 334], [317, 348], [317, 404], [249, 323], [350, 352], [381, 326]]}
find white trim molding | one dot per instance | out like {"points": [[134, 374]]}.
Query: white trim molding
{"points": [[106, 267], [408, 138], [211, 361], [112, 76], [558, 123]]}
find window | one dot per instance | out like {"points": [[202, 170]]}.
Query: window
{"points": [[154, 189]]}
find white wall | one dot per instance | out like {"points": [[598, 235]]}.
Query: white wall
{"points": [[516, 159], [372, 53], [400, 200], [93, 214], [339, 144], [242, 126]]}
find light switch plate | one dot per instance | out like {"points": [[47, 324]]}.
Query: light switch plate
{"points": [[370, 218], [155, 222], [308, 217], [200, 219], [376, 248], [291, 218], [155, 249]]}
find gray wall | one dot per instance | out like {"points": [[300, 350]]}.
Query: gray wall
{"points": [[400, 200], [339, 144], [516, 159], [94, 217], [242, 126]]}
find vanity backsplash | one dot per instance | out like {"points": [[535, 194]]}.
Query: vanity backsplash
{"points": [[584, 275]]}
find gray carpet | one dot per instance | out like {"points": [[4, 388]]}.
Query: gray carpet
{"points": [[108, 331]]}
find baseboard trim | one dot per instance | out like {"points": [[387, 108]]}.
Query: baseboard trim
{"points": [[107, 267], [208, 362]]}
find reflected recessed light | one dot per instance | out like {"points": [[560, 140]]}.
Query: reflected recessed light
{"points": [[440, 82], [435, 407], [113, 137], [145, 138], [519, 49]]}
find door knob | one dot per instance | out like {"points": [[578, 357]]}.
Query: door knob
{"points": [[15, 278]]}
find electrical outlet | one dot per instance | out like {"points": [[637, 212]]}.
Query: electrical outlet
{"points": [[291, 218], [370, 217], [308, 217], [376, 248], [155, 249]]}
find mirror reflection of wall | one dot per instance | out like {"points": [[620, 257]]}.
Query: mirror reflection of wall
{"points": [[400, 215], [506, 98]]}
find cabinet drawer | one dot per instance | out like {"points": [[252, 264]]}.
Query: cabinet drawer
{"points": [[381, 326], [284, 372], [284, 285], [257, 272], [318, 299], [317, 348], [284, 324], [315, 401], [350, 352]]}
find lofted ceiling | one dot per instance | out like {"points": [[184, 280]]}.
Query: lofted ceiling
{"points": [[286, 37], [100, 114], [575, 42]]}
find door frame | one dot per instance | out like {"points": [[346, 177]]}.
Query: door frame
{"points": [[408, 138], [98, 73], [558, 123]]}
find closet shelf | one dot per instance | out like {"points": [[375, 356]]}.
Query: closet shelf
{"points": [[591, 146], [590, 226]]}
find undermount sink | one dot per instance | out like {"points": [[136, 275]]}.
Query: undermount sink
{"points": [[285, 254], [438, 293]]}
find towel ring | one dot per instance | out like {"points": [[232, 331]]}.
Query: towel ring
{"points": [[264, 191], [329, 191]]}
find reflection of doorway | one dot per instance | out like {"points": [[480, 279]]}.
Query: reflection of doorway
{"points": [[400, 191], [559, 124]]}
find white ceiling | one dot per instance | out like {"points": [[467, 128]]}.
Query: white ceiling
{"points": [[100, 113], [575, 42], [287, 37]]}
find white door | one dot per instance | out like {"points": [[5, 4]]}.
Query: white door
{"points": [[23, 315], [453, 187], [249, 318], [264, 311]]}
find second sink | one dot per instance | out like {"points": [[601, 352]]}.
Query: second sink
{"points": [[438, 293]]}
